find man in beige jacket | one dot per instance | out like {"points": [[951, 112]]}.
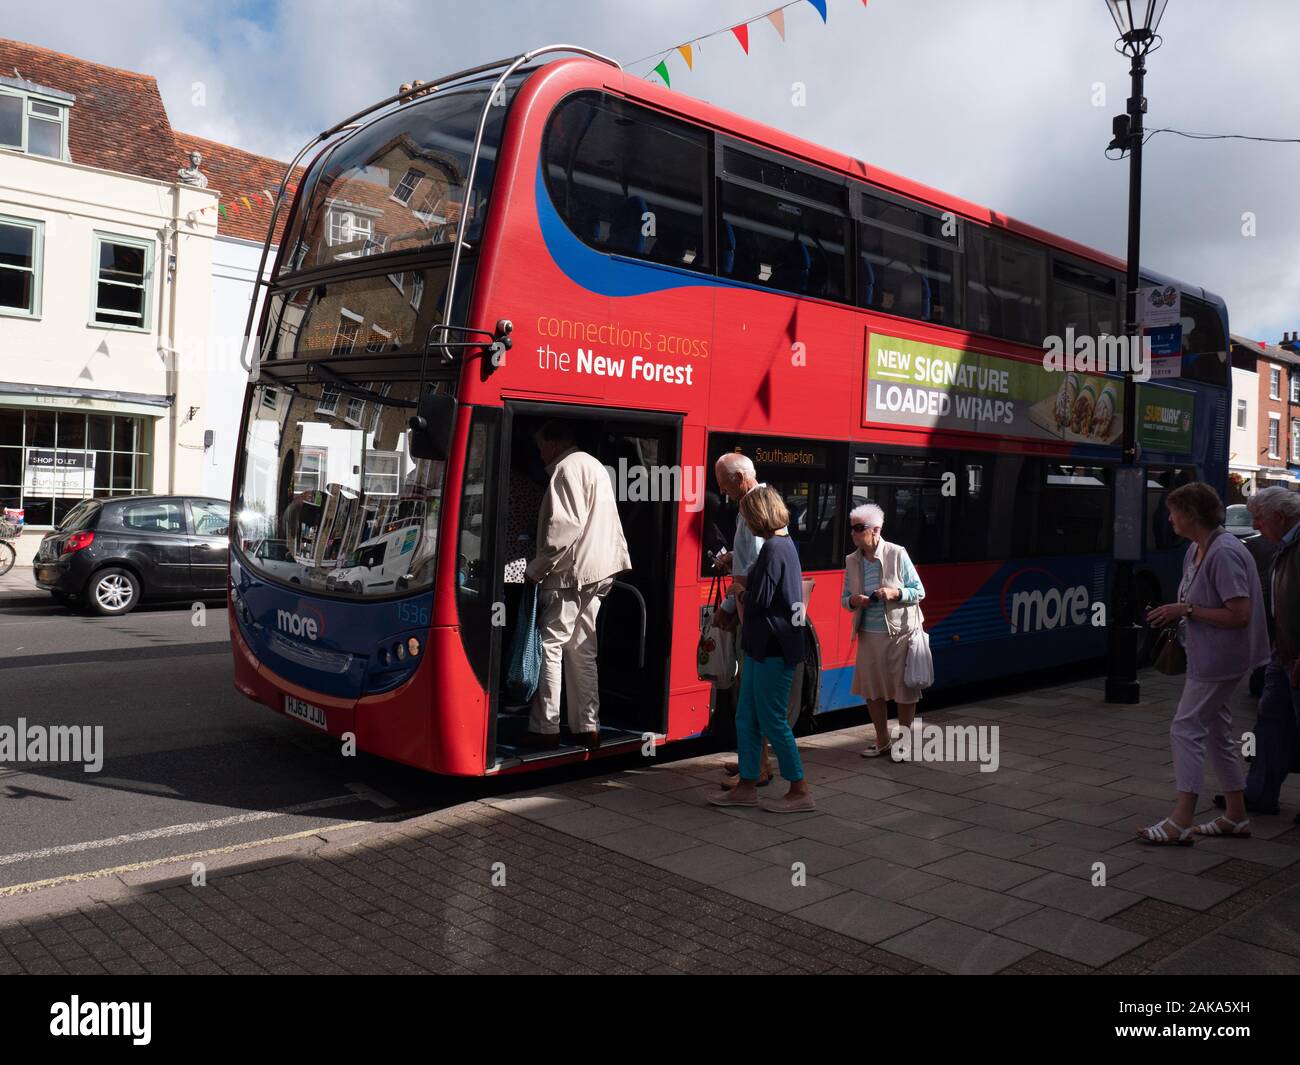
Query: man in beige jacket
{"points": [[580, 549]]}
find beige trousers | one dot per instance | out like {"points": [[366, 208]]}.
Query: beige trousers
{"points": [[568, 627]]}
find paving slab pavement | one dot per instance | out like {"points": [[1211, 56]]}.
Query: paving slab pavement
{"points": [[902, 868]]}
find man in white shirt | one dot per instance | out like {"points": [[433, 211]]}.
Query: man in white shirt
{"points": [[580, 549]]}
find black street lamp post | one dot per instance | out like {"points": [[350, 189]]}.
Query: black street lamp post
{"points": [[1136, 21]]}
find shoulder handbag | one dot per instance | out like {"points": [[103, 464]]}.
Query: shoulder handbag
{"points": [[525, 649], [1170, 656], [919, 669], [715, 653]]}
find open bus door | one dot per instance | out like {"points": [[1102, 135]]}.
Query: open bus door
{"points": [[634, 627]]}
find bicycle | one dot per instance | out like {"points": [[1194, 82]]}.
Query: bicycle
{"points": [[8, 556]]}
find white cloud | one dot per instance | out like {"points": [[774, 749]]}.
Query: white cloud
{"points": [[989, 101]]}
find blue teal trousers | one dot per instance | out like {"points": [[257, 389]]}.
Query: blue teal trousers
{"points": [[761, 711]]}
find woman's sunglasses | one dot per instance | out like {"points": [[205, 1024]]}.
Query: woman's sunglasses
{"points": [[861, 528]]}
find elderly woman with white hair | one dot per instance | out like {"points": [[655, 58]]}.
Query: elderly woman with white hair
{"points": [[883, 590]]}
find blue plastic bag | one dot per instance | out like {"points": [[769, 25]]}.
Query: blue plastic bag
{"points": [[525, 650]]}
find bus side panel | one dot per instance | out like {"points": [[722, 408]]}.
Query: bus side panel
{"points": [[437, 721], [688, 704], [788, 363], [455, 701]]}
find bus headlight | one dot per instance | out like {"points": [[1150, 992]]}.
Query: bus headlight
{"points": [[413, 646], [399, 651]]}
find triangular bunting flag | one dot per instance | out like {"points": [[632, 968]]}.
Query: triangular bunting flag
{"points": [[246, 203], [777, 19], [742, 35], [662, 71], [685, 49], [222, 208], [820, 5]]}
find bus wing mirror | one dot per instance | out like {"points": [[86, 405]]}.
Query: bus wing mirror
{"points": [[432, 425]]}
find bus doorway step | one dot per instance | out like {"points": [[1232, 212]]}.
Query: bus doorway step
{"points": [[611, 738]]}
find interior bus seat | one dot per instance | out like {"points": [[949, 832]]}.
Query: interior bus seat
{"points": [[818, 270], [627, 230], [914, 297], [727, 250], [867, 278], [793, 266]]}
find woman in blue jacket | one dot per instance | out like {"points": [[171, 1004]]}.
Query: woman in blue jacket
{"points": [[773, 641]]}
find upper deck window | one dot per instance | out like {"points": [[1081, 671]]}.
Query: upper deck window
{"points": [[398, 184], [1085, 300], [344, 317], [628, 180], [782, 227], [907, 261], [1005, 279]]}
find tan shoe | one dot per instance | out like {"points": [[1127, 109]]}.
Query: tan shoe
{"points": [[797, 805]]}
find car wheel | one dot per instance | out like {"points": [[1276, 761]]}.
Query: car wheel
{"points": [[112, 592]]}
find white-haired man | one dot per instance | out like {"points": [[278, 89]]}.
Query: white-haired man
{"points": [[1276, 514], [736, 478], [580, 550]]}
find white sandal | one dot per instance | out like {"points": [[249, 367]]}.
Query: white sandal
{"points": [[1239, 829], [1156, 834], [876, 751]]}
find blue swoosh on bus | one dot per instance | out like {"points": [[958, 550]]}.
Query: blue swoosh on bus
{"points": [[606, 275]]}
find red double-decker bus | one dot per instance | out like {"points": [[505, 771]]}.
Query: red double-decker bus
{"points": [[557, 239]]}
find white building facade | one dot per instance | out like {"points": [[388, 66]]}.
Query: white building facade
{"points": [[93, 399]]}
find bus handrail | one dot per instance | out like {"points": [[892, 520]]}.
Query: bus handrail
{"points": [[353, 122], [461, 223], [640, 599]]}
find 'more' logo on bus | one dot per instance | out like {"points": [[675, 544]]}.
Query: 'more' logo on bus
{"points": [[1035, 609], [300, 624]]}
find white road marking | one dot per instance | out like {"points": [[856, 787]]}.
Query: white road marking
{"points": [[177, 830], [95, 874], [365, 791]]}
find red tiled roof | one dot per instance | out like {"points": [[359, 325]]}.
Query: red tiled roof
{"points": [[118, 121], [234, 174]]}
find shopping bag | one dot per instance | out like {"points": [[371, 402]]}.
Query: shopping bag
{"points": [[919, 671], [715, 654], [525, 650]]}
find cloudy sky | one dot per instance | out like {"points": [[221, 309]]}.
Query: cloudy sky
{"points": [[995, 101]]}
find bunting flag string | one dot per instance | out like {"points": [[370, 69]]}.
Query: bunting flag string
{"points": [[236, 205], [740, 31]]}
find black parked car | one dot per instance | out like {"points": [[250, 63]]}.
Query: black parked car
{"points": [[111, 553]]}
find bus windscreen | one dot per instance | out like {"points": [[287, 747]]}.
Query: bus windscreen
{"points": [[399, 183], [328, 478]]}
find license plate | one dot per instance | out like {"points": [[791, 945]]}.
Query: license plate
{"points": [[313, 715]]}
